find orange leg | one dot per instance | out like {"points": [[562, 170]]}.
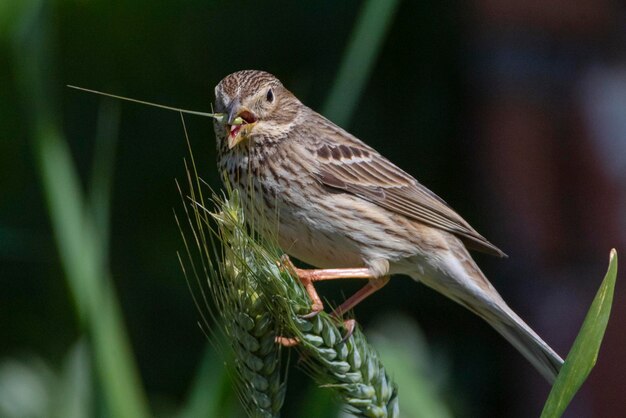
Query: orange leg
{"points": [[372, 286], [309, 277], [286, 341]]}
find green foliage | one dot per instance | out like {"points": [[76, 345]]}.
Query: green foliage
{"points": [[584, 353], [211, 393], [78, 229], [414, 367], [32, 388], [363, 48]]}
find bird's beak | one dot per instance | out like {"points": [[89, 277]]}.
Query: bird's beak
{"points": [[232, 110], [233, 140], [239, 122]]}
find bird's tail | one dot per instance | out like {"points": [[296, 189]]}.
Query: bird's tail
{"points": [[527, 342], [474, 291]]}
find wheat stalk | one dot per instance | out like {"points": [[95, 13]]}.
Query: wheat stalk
{"points": [[351, 368]]}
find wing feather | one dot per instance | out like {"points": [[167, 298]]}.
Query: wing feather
{"points": [[358, 169]]}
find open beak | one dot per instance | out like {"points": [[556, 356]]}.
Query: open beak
{"points": [[232, 110], [239, 123]]}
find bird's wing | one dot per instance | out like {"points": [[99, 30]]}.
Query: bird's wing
{"points": [[358, 169]]}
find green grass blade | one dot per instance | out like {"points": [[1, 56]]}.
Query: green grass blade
{"points": [[208, 394], [75, 230], [413, 366], [103, 170], [75, 388], [318, 402], [584, 353], [358, 60]]}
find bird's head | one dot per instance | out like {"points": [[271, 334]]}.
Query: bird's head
{"points": [[258, 99]]}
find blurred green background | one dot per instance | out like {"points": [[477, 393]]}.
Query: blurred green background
{"points": [[513, 113]]}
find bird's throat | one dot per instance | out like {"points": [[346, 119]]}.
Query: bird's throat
{"points": [[239, 133], [234, 130]]}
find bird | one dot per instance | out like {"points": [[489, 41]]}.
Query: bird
{"points": [[337, 204]]}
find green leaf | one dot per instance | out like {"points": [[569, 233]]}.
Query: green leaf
{"points": [[584, 353], [364, 46], [413, 366], [317, 402], [208, 396], [76, 232]]}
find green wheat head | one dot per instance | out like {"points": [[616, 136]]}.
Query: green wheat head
{"points": [[254, 299]]}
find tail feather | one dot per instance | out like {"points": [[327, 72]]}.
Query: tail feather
{"points": [[508, 324], [462, 281], [527, 342]]}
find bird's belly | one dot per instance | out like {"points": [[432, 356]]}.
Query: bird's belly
{"points": [[304, 232], [331, 238], [318, 246]]}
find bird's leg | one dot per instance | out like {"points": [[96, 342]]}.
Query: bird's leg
{"points": [[310, 276], [286, 341], [372, 286]]}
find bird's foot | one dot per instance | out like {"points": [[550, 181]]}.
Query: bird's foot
{"points": [[315, 310], [287, 341], [306, 277], [286, 264], [350, 326]]}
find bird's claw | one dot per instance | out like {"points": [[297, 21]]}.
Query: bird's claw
{"points": [[286, 341], [314, 312], [350, 326], [285, 263]]}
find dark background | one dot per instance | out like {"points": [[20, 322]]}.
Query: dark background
{"points": [[513, 112]]}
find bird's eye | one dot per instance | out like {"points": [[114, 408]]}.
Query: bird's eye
{"points": [[270, 96]]}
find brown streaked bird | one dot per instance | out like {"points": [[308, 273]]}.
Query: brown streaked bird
{"points": [[346, 209]]}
